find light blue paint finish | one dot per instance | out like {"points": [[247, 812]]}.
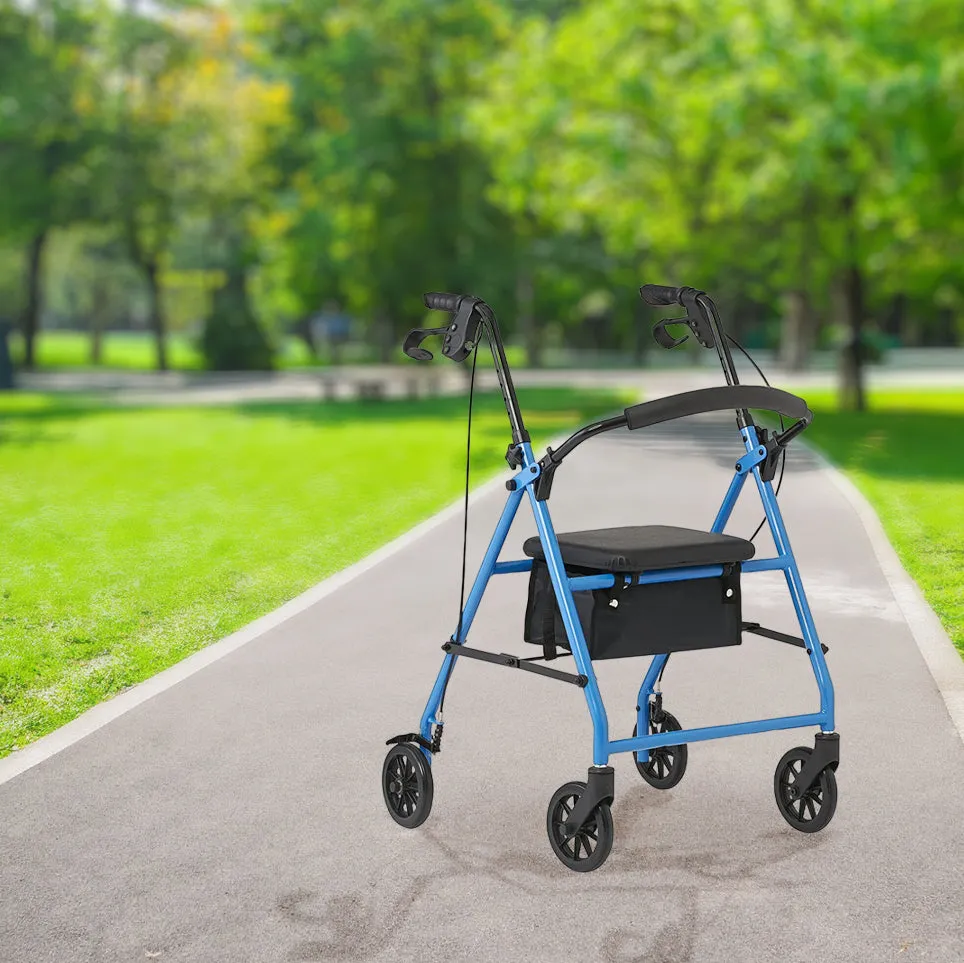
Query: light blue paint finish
{"points": [[564, 586], [682, 736]]}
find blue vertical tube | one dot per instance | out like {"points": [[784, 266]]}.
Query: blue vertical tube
{"points": [[799, 598], [577, 639], [471, 607]]}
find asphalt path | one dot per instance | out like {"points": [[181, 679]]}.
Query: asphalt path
{"points": [[238, 815]]}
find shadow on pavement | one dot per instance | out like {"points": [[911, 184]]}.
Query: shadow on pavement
{"points": [[363, 925]]}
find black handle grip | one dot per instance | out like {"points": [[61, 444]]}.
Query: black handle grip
{"points": [[436, 301], [660, 294]]}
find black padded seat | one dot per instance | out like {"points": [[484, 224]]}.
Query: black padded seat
{"points": [[640, 548]]}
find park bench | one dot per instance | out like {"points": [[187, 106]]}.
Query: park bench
{"points": [[378, 384]]}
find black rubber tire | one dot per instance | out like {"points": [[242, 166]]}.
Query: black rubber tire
{"points": [[667, 764], [589, 848], [407, 785], [815, 809]]}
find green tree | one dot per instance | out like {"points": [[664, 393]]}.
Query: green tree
{"points": [[154, 54], [759, 151], [228, 185], [51, 133], [385, 189]]}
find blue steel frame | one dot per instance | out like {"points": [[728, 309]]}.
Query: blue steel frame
{"points": [[564, 586]]}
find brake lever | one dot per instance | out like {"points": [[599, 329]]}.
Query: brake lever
{"points": [[413, 343], [459, 337], [663, 338]]}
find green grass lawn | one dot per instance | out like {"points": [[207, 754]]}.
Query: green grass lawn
{"points": [[134, 351], [133, 537], [906, 454], [127, 351]]}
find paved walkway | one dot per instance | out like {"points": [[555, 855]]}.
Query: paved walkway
{"points": [[404, 380], [238, 816]]}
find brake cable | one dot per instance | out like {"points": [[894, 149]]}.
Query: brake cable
{"points": [[783, 461], [465, 514], [783, 454]]}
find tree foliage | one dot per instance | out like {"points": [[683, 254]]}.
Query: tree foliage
{"points": [[798, 159]]}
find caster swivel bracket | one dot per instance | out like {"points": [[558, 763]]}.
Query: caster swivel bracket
{"points": [[600, 788], [825, 755], [420, 740]]}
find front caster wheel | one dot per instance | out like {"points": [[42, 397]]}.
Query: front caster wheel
{"points": [[588, 848], [667, 764], [810, 811], [407, 785]]}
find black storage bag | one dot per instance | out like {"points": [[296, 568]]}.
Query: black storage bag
{"points": [[651, 619]]}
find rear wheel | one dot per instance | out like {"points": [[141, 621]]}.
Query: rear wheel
{"points": [[407, 785], [667, 764]]}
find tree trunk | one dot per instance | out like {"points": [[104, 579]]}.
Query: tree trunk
{"points": [[97, 323], [157, 322], [385, 336], [850, 312], [796, 341], [641, 332], [307, 335], [525, 311], [945, 335], [30, 320], [897, 311], [851, 301]]}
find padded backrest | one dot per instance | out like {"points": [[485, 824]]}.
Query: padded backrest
{"points": [[724, 398]]}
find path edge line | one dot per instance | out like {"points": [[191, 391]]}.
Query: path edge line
{"points": [[103, 713], [939, 653]]}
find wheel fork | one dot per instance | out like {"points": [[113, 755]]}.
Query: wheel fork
{"points": [[600, 788]]}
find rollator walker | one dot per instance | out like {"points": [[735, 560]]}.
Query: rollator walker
{"points": [[647, 590]]}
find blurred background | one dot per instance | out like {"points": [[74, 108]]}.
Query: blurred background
{"points": [[272, 183], [217, 220]]}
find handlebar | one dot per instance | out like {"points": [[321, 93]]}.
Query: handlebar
{"points": [[700, 314], [436, 301], [660, 295], [459, 337], [471, 317]]}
